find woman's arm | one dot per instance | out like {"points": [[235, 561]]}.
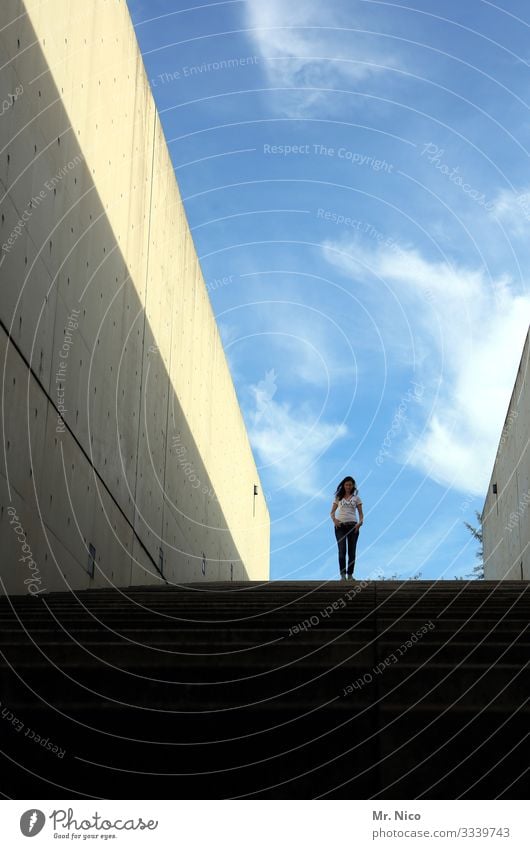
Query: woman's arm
{"points": [[332, 514], [361, 517]]}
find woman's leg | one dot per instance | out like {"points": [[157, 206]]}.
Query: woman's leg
{"points": [[353, 536], [340, 536]]}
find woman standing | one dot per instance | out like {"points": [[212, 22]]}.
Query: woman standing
{"points": [[346, 505]]}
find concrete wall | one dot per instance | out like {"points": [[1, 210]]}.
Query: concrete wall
{"points": [[104, 312], [506, 514]]}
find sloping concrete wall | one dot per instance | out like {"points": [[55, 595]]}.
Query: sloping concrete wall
{"points": [[122, 428], [506, 513]]}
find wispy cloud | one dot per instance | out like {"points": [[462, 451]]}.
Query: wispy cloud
{"points": [[513, 210], [315, 349], [304, 51], [288, 441], [474, 328]]}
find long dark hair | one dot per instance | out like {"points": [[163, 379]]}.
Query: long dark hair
{"points": [[339, 493]]}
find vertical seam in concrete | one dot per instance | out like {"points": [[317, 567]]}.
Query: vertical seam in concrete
{"points": [[518, 525], [167, 419], [143, 341]]}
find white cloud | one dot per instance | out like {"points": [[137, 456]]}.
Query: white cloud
{"points": [[305, 57], [512, 209], [310, 344], [289, 441], [297, 335], [474, 328]]}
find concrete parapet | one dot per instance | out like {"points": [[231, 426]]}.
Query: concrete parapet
{"points": [[506, 513], [125, 454]]}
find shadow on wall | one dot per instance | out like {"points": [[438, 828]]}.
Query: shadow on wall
{"points": [[101, 478]]}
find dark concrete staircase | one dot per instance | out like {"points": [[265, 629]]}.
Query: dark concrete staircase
{"points": [[278, 690]]}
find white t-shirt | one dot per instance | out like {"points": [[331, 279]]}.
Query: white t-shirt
{"points": [[347, 509]]}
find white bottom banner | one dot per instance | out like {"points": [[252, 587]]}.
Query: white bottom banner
{"points": [[227, 824]]}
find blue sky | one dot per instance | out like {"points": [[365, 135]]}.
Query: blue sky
{"points": [[356, 177]]}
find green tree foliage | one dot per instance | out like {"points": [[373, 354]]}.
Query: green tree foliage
{"points": [[477, 572]]}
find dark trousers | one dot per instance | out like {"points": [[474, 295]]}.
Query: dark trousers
{"points": [[346, 538]]}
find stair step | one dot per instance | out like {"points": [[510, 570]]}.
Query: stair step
{"points": [[292, 689]]}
